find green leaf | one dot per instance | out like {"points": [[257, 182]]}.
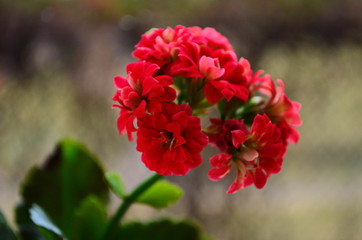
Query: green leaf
{"points": [[49, 235], [91, 219], [161, 195], [160, 230], [5, 231], [69, 176], [116, 184]]}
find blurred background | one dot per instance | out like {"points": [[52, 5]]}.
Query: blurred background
{"points": [[57, 63]]}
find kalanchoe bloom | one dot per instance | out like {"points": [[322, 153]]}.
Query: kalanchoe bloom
{"points": [[160, 45], [220, 133], [257, 120], [256, 153], [214, 40], [203, 56], [171, 140], [186, 63], [142, 92], [274, 102], [178, 50], [229, 81]]}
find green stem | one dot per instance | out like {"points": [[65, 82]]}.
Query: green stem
{"points": [[127, 202], [244, 109]]}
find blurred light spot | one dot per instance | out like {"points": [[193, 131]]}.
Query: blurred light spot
{"points": [[126, 23], [47, 14]]}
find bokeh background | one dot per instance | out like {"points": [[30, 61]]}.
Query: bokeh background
{"points": [[57, 63]]}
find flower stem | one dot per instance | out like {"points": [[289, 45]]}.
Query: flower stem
{"points": [[241, 111], [127, 202]]}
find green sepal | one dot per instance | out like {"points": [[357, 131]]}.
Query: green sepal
{"points": [[115, 183], [161, 195]]}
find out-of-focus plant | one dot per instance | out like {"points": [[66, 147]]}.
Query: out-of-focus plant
{"points": [[182, 72]]}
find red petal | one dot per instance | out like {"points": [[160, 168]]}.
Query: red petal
{"points": [[140, 111], [208, 68], [154, 106], [196, 159], [174, 128], [120, 82], [211, 93], [249, 154], [227, 93], [238, 138], [237, 183], [159, 121], [260, 178], [164, 80], [181, 118], [217, 174], [148, 84], [220, 160]]}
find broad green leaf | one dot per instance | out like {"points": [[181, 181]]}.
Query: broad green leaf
{"points": [[161, 195], [116, 184], [91, 219], [5, 231], [69, 176], [160, 230], [40, 218], [49, 235]]}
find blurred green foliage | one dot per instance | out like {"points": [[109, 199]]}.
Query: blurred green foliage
{"points": [[62, 187], [5, 231], [66, 198]]}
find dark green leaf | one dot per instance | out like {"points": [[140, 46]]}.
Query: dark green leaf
{"points": [[160, 230], [91, 219], [116, 184], [5, 231], [161, 195], [49, 235], [70, 175]]}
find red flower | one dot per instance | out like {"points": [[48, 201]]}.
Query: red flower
{"points": [[275, 103], [256, 153], [178, 50], [186, 63], [171, 140], [203, 56], [229, 81], [140, 93], [160, 46], [214, 40], [221, 133]]}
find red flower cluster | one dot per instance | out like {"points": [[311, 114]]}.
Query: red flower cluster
{"points": [[257, 153], [181, 72], [167, 131], [203, 57]]}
